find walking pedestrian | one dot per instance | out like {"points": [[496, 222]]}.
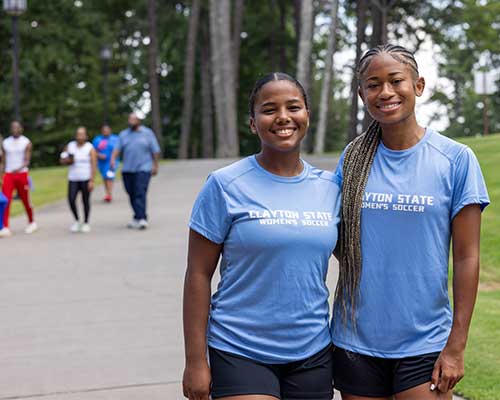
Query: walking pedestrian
{"points": [[104, 144], [16, 159], [140, 153], [81, 157]]}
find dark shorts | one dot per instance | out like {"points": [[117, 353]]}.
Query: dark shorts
{"points": [[362, 375], [234, 375]]}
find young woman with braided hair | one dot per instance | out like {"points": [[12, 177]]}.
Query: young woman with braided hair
{"points": [[406, 191], [272, 218]]}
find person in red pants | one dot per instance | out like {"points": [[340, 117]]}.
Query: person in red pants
{"points": [[15, 162]]}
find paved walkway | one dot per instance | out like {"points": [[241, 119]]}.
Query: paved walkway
{"points": [[98, 316]]}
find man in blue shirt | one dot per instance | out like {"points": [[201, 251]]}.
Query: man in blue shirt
{"points": [[140, 153]]}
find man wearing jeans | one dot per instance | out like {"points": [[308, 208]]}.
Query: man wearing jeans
{"points": [[140, 153]]}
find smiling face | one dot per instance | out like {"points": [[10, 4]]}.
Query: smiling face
{"points": [[388, 88], [280, 116]]}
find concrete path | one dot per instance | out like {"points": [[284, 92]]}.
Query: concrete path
{"points": [[98, 316]]}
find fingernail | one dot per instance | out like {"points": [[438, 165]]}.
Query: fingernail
{"points": [[433, 387]]}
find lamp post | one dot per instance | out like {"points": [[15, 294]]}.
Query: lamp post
{"points": [[105, 55], [15, 8]]}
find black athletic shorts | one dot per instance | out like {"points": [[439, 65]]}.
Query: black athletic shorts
{"points": [[309, 379], [362, 375]]}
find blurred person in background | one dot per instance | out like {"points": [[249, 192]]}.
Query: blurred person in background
{"points": [[14, 174], [104, 144]]}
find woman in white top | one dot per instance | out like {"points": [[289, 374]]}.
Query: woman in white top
{"points": [[81, 157]]}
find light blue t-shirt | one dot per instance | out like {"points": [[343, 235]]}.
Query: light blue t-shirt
{"points": [[278, 233], [410, 201], [137, 148]]}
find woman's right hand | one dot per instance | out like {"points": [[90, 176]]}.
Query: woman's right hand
{"points": [[196, 381]]}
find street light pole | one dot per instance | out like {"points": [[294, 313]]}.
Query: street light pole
{"points": [[15, 67], [105, 56], [15, 8]]}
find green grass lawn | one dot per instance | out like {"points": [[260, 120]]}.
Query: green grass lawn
{"points": [[487, 150], [482, 359]]}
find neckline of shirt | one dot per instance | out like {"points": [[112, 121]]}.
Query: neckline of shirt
{"points": [[16, 138], [401, 153], [279, 178]]}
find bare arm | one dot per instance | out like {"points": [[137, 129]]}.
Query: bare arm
{"points": [[466, 226], [93, 168], [67, 160], [203, 256], [114, 156], [27, 155], [156, 160]]}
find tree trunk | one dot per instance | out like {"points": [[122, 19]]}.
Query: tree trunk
{"points": [[376, 14], [273, 35], [305, 44], [282, 10], [223, 78], [216, 57], [207, 135], [324, 106], [360, 38], [154, 89], [383, 7], [296, 20], [239, 6], [304, 56], [189, 77]]}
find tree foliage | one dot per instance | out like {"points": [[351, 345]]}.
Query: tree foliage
{"points": [[62, 74]]}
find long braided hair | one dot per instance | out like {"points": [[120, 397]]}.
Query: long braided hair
{"points": [[358, 159]]}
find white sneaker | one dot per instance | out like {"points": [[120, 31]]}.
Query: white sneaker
{"points": [[134, 224], [85, 228], [143, 224], [5, 232], [75, 227], [31, 228]]}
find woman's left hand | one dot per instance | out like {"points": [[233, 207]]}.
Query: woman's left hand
{"points": [[90, 185], [448, 370]]}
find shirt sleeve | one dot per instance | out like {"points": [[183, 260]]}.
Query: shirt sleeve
{"points": [[468, 186], [338, 171], [210, 216], [153, 143]]}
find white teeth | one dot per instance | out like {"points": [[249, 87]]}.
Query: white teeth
{"points": [[389, 106], [284, 131]]}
